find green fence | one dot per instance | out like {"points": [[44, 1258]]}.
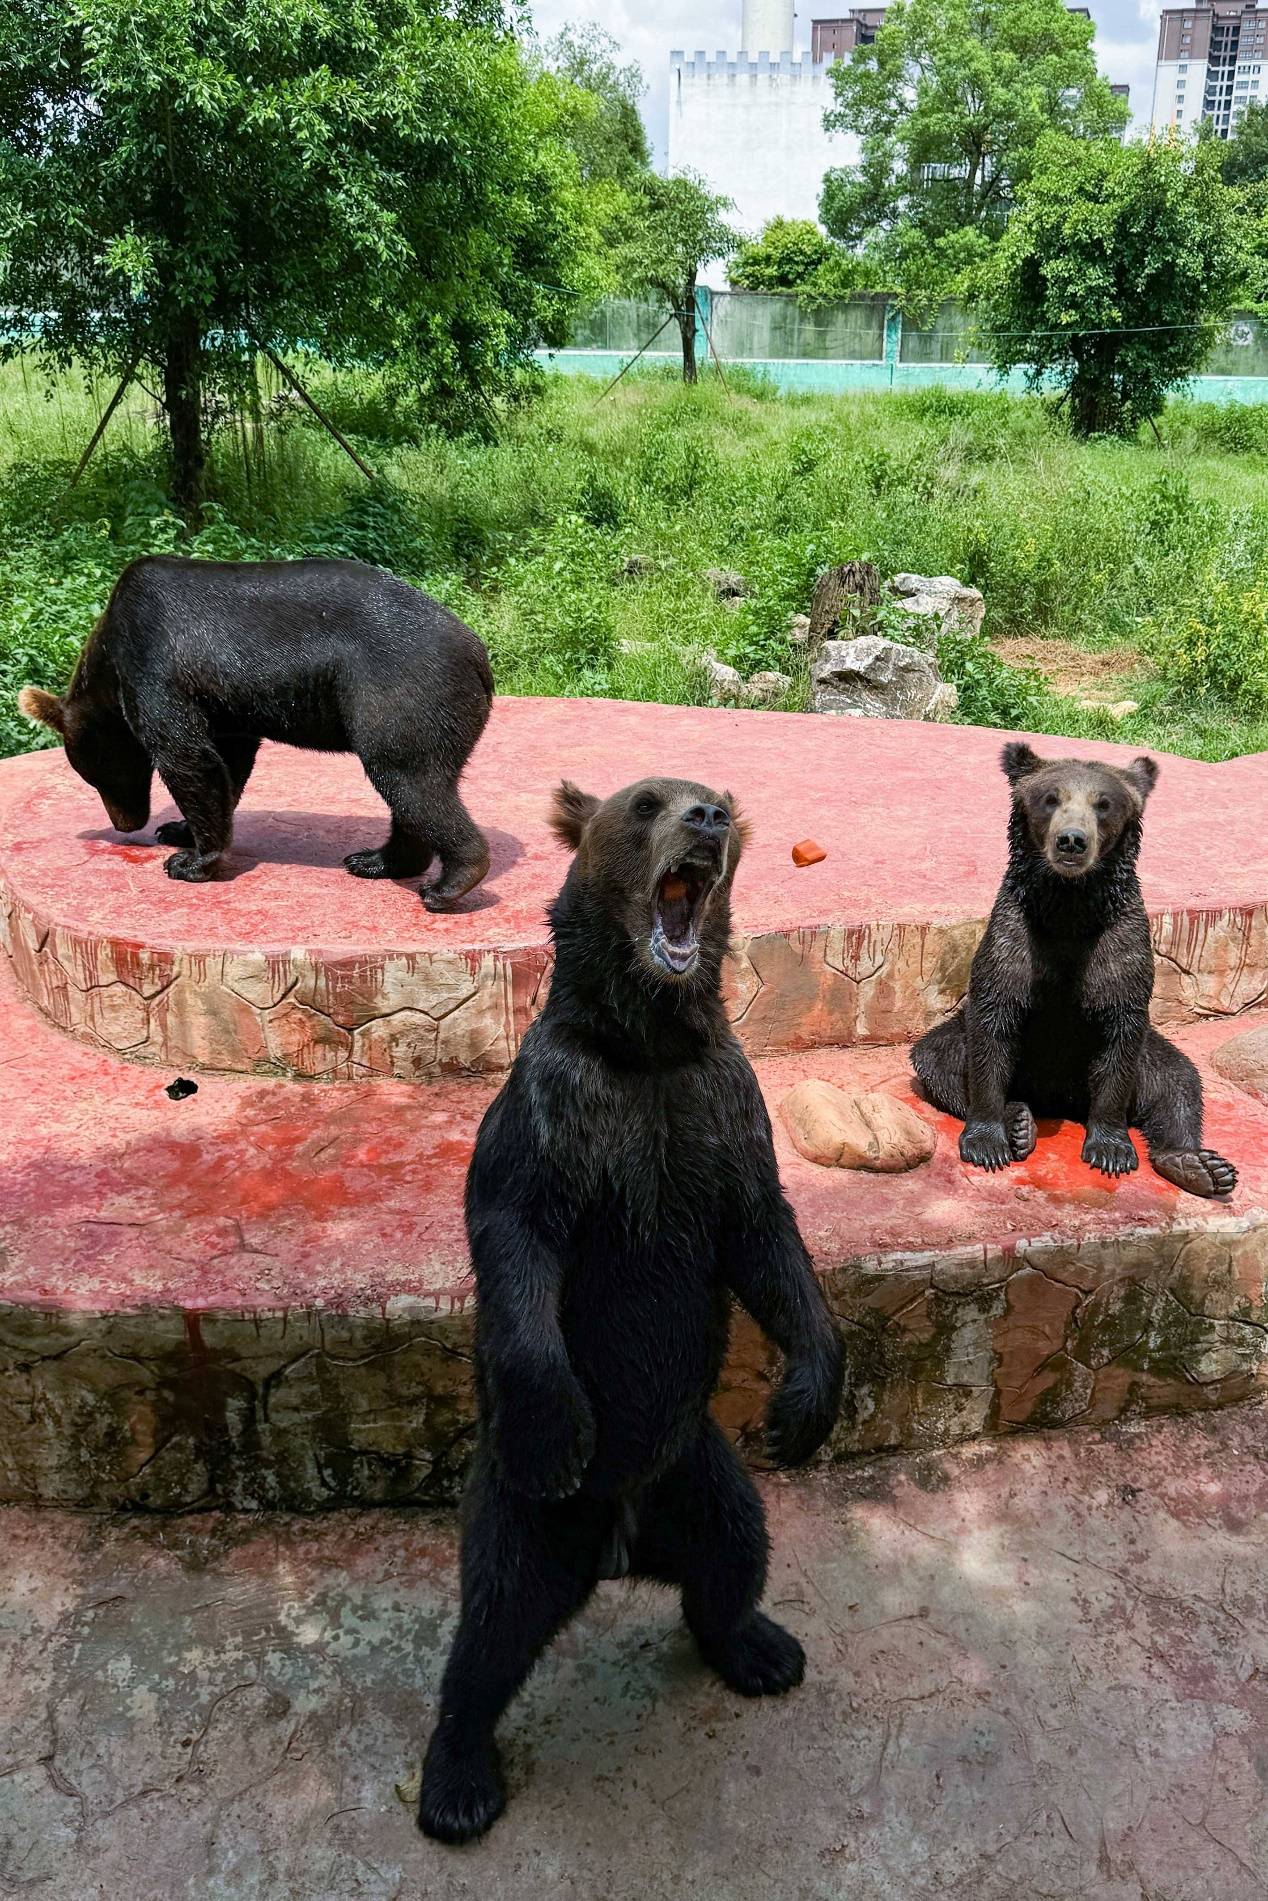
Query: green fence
{"points": [[863, 343]]}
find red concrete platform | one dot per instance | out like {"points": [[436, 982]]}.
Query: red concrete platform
{"points": [[260, 1295], [290, 967]]}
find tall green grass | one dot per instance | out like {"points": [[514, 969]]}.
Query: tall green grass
{"points": [[577, 544]]}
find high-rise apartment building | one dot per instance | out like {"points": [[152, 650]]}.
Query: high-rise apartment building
{"points": [[1212, 64]]}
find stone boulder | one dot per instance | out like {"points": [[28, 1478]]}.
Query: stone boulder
{"points": [[763, 689], [938, 604], [879, 679], [1244, 1060], [871, 1131], [727, 585], [725, 684]]}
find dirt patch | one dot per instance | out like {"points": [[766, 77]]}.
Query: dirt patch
{"points": [[1078, 672]]}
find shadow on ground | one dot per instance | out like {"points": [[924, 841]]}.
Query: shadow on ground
{"points": [[1039, 1668]]}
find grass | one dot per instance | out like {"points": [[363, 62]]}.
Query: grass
{"points": [[1151, 551]]}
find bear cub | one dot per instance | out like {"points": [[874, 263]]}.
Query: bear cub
{"points": [[623, 1188], [193, 663], [1056, 1020]]}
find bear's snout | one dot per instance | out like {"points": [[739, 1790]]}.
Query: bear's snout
{"points": [[711, 820]]}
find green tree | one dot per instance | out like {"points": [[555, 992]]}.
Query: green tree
{"points": [[1116, 265], [609, 138], [382, 182], [677, 226], [787, 256], [1244, 157], [949, 103]]}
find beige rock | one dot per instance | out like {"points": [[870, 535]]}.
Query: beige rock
{"points": [[872, 1131], [763, 689], [725, 684], [799, 630], [1244, 1060]]}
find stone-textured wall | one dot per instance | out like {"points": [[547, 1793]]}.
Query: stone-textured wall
{"points": [[166, 1410], [418, 1015]]}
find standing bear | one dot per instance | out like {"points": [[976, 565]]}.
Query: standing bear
{"points": [[623, 1188], [193, 663], [1056, 1021]]}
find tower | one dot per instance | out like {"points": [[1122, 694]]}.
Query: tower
{"points": [[767, 26]]}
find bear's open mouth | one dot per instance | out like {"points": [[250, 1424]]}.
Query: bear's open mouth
{"points": [[680, 899]]}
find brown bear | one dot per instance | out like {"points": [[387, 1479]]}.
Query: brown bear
{"points": [[623, 1189], [193, 663], [1056, 1020]]}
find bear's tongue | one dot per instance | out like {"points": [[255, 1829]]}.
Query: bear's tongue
{"points": [[676, 905]]}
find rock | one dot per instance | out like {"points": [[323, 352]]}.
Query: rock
{"points": [[763, 689], [726, 583], [799, 630], [871, 1131], [725, 684], [1244, 1060], [938, 604], [1115, 709], [879, 679]]}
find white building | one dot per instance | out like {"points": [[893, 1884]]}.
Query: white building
{"points": [[1212, 64], [751, 123]]}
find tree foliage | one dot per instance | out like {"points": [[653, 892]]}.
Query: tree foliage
{"points": [[1113, 273], [608, 136], [786, 256], [1244, 156], [949, 103], [677, 226], [382, 182]]}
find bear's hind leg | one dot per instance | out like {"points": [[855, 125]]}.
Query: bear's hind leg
{"points": [[940, 1060], [1168, 1113], [460, 844], [702, 1526], [526, 1568], [409, 847]]}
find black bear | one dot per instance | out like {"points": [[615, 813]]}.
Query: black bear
{"points": [[1056, 1020], [193, 663], [623, 1188]]}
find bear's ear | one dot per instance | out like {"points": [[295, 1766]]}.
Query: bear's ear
{"points": [[740, 824], [42, 706], [1019, 760], [1141, 776], [571, 811]]}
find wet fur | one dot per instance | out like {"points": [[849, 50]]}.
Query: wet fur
{"points": [[193, 663], [1056, 1020], [623, 1190]]}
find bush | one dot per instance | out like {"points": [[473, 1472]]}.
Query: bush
{"points": [[1219, 650]]}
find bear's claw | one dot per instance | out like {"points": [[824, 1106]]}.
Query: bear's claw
{"points": [[367, 864], [1112, 1151], [986, 1145], [761, 1658], [190, 867], [462, 1793], [1198, 1171]]}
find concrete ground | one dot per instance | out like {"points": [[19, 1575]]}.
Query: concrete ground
{"points": [[1038, 1668]]}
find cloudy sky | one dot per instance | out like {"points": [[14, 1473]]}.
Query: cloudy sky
{"points": [[1126, 39]]}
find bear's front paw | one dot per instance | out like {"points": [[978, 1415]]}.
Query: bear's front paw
{"points": [[1110, 1150], [761, 1658], [190, 867], [986, 1145], [545, 1440], [805, 1406], [175, 832], [462, 1793]]}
